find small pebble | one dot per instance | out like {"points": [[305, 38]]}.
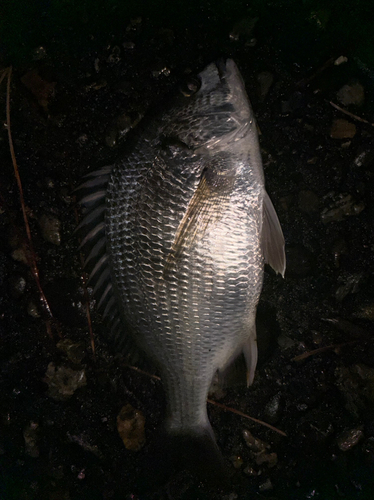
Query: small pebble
{"points": [[237, 461], [340, 60], [342, 206], [30, 435], [128, 45], [308, 202], [130, 426], [115, 55], [266, 486], [51, 229], [17, 285], [349, 439], [32, 310], [250, 471], [265, 80], [351, 94], [75, 351], [272, 409], [63, 381], [19, 255], [342, 129], [253, 443]]}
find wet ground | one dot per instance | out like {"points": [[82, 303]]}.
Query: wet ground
{"points": [[61, 408]]}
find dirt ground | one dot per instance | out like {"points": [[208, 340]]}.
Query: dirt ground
{"points": [[72, 103]]}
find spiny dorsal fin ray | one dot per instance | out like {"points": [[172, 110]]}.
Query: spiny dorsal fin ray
{"points": [[92, 194]]}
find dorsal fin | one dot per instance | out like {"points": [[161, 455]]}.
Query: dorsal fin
{"points": [[92, 196]]}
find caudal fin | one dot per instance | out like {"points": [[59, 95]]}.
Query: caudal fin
{"points": [[195, 451]]}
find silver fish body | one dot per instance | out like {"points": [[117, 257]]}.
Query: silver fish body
{"points": [[185, 225]]}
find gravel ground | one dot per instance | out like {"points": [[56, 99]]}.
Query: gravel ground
{"points": [[63, 411]]}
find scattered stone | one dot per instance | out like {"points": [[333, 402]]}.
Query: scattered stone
{"points": [[348, 439], [351, 284], [19, 255], [119, 128], [266, 486], [230, 496], [82, 139], [166, 36], [134, 24], [128, 45], [273, 408], [75, 351], [265, 80], [31, 435], [32, 310], [250, 471], [342, 206], [285, 342], [17, 286], [259, 449], [364, 158], [351, 94], [243, 28], [338, 248], [299, 261], [39, 53], [308, 202], [366, 310], [42, 90], [342, 129], [115, 56], [270, 459], [63, 381], [164, 71], [84, 441], [51, 229], [340, 60], [130, 426], [296, 101], [357, 386], [237, 461]]}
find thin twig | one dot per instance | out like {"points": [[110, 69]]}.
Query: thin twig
{"points": [[32, 254], [348, 113], [320, 70], [322, 349], [220, 405], [240, 413]]}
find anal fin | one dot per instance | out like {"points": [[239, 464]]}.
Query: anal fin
{"points": [[250, 355], [272, 238]]}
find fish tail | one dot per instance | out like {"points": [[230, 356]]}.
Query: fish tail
{"points": [[194, 450]]}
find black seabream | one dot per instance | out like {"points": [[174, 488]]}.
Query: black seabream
{"points": [[176, 235]]}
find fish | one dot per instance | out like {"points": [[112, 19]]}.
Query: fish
{"points": [[176, 233]]}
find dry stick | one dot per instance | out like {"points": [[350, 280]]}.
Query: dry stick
{"points": [[320, 70], [32, 255], [238, 412], [355, 117], [220, 405], [323, 349]]}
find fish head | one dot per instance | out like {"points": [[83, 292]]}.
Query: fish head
{"points": [[212, 111]]}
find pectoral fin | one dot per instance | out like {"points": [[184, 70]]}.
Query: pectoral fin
{"points": [[272, 238], [204, 210]]}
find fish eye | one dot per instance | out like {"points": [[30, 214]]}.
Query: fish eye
{"points": [[190, 86]]}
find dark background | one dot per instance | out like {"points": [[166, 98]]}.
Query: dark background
{"points": [[84, 73]]}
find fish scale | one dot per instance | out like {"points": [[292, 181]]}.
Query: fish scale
{"points": [[186, 227]]}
